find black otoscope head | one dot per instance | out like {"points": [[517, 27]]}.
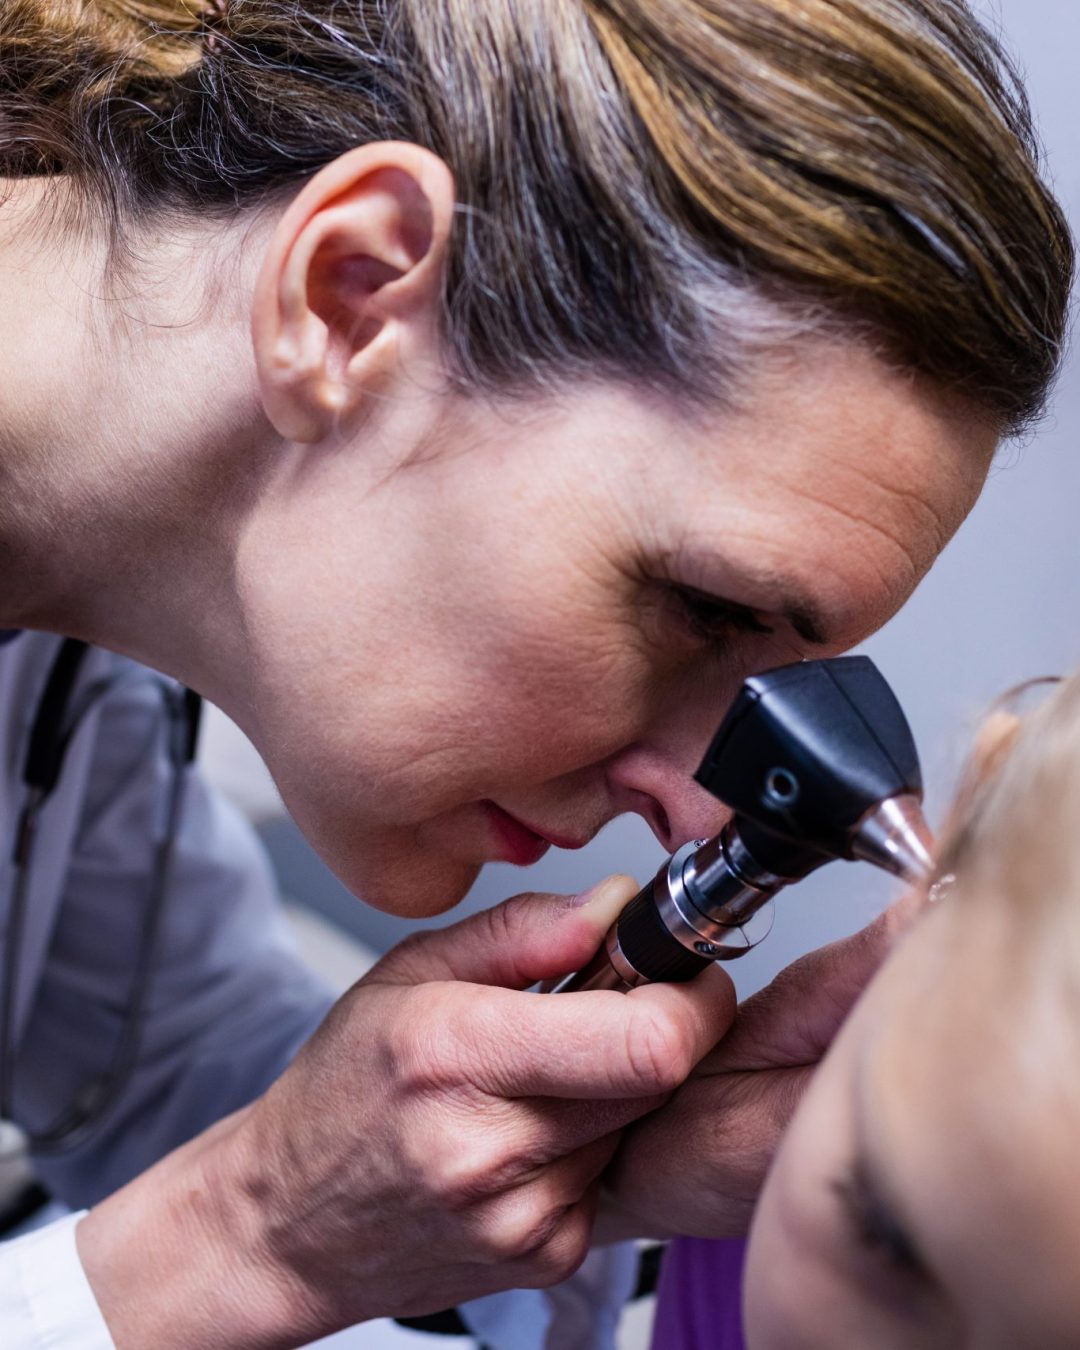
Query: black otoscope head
{"points": [[817, 762], [804, 754]]}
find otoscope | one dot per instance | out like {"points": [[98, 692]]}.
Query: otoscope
{"points": [[817, 762]]}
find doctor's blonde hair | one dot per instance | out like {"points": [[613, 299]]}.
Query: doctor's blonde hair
{"points": [[647, 188]]}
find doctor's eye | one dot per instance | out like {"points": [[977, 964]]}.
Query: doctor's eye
{"points": [[711, 619]]}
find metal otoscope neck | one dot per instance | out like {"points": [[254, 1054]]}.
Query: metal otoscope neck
{"points": [[817, 762]]}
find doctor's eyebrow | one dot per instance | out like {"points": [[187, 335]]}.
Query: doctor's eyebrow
{"points": [[795, 607], [788, 600], [798, 610], [806, 622]]}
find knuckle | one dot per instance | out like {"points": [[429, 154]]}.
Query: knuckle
{"points": [[411, 957], [504, 928], [563, 1253], [473, 1022], [522, 1234], [464, 1168], [454, 1176], [660, 1053], [501, 921], [421, 1046]]}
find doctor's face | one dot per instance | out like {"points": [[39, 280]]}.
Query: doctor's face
{"points": [[536, 622]]}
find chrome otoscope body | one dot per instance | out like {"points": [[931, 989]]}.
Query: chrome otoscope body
{"points": [[818, 763], [694, 925]]}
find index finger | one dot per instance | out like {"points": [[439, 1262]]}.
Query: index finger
{"points": [[792, 1021], [597, 1043]]}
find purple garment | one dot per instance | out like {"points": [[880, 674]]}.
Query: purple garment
{"points": [[699, 1305]]}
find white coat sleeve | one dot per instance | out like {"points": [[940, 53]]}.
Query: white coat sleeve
{"points": [[230, 1002], [46, 1302]]}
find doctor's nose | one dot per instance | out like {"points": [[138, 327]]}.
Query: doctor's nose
{"points": [[652, 783], [654, 775]]}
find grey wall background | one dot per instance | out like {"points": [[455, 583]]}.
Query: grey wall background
{"points": [[1002, 604]]}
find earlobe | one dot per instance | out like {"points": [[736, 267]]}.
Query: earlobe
{"points": [[351, 284]]}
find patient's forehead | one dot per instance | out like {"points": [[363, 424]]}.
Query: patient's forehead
{"points": [[970, 1094]]}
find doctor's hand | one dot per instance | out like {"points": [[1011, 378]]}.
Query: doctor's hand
{"points": [[439, 1138], [695, 1166]]}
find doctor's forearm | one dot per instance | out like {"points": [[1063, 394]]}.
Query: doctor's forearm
{"points": [[175, 1259]]}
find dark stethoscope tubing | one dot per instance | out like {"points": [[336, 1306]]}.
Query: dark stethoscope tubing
{"points": [[58, 718]]}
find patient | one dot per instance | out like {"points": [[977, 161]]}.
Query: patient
{"points": [[927, 1192]]}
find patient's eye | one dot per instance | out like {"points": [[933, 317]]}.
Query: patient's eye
{"points": [[710, 618], [874, 1225]]}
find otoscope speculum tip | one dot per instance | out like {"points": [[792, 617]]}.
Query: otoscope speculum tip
{"points": [[894, 835]]}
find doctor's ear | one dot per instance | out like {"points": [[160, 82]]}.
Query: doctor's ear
{"points": [[351, 284]]}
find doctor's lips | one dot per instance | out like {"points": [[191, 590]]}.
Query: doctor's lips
{"points": [[519, 843]]}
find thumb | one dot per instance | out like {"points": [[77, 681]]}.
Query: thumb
{"points": [[792, 1021], [529, 938]]}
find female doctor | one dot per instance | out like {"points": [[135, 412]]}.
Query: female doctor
{"points": [[465, 397]]}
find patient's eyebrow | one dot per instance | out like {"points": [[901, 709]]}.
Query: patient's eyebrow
{"points": [[877, 1218]]}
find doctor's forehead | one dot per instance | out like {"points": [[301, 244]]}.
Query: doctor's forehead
{"points": [[815, 468], [828, 426]]}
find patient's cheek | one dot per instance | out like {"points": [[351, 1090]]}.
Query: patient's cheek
{"points": [[783, 1273], [788, 1296], [795, 1273]]}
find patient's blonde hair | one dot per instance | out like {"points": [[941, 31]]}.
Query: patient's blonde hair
{"points": [[1017, 835], [647, 187]]}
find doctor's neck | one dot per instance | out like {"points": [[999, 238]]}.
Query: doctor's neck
{"points": [[132, 437]]}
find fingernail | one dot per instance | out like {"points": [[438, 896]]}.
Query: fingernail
{"points": [[597, 892], [576, 901]]}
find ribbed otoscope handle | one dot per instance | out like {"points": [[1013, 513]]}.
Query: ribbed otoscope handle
{"points": [[598, 974], [639, 947]]}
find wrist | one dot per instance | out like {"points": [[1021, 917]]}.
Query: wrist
{"points": [[615, 1223], [177, 1257]]}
